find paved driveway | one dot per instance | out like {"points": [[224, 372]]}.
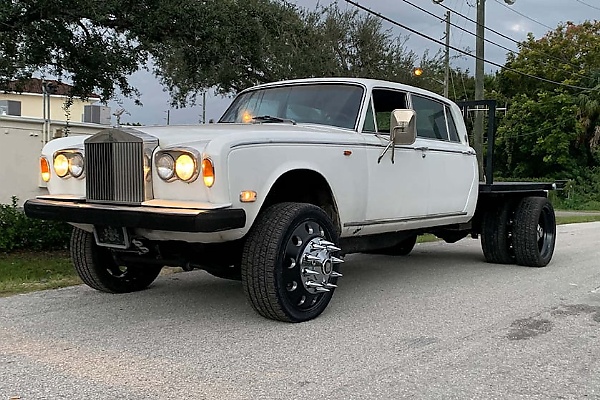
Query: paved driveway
{"points": [[438, 324]]}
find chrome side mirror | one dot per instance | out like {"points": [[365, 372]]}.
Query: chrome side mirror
{"points": [[403, 131], [403, 127]]}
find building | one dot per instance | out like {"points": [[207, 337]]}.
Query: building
{"points": [[29, 118]]}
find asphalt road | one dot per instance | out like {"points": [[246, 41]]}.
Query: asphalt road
{"points": [[438, 324]]}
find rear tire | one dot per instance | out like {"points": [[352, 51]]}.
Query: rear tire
{"points": [[535, 232], [98, 269], [497, 234], [286, 241]]}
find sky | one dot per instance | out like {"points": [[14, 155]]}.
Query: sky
{"points": [[515, 21]]}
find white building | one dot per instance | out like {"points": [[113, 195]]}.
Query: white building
{"points": [[25, 127]]}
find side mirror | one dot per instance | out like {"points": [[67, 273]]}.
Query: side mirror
{"points": [[403, 127]]}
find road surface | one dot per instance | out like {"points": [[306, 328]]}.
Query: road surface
{"points": [[438, 324]]}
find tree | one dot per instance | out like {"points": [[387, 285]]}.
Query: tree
{"points": [[89, 42], [569, 56], [286, 44], [98, 44], [193, 45], [539, 138]]}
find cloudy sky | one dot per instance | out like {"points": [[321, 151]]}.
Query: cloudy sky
{"points": [[536, 16]]}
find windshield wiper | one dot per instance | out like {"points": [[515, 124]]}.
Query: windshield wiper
{"points": [[268, 118]]}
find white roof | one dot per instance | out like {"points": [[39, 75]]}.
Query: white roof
{"points": [[367, 83]]}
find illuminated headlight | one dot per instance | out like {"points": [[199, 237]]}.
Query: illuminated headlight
{"points": [[186, 167], [76, 165], [69, 163], [61, 165], [165, 166]]}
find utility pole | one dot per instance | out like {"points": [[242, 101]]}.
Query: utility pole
{"points": [[168, 117], [479, 77], [447, 56], [479, 89], [204, 107]]}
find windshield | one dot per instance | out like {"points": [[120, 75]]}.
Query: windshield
{"points": [[326, 104]]}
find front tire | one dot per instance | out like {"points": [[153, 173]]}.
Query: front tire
{"points": [[289, 272], [535, 232], [98, 269]]}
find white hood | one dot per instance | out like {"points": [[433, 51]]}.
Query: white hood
{"points": [[174, 135]]}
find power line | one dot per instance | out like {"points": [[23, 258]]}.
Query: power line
{"points": [[555, 67], [457, 26], [523, 15], [391, 21], [524, 44], [586, 4]]}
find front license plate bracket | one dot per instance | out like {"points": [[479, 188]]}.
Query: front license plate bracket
{"points": [[111, 236]]}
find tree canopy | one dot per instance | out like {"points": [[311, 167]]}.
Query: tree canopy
{"points": [[552, 129], [193, 45]]}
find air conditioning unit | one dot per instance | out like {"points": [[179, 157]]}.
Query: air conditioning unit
{"points": [[97, 114], [10, 107]]}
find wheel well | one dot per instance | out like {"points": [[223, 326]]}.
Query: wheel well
{"points": [[304, 186]]}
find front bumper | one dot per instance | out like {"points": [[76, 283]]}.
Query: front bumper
{"points": [[164, 219]]}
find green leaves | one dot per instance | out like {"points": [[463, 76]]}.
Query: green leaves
{"points": [[539, 137], [195, 45]]}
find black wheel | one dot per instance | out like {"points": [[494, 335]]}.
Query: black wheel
{"points": [[289, 272], [535, 232], [497, 234], [99, 270], [401, 249]]}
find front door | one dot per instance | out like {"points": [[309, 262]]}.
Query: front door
{"points": [[398, 191]]}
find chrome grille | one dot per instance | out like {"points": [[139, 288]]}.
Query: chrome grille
{"points": [[115, 172]]}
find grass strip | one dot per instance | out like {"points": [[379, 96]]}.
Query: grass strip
{"points": [[24, 271]]}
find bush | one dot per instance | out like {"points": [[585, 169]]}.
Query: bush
{"points": [[17, 231]]}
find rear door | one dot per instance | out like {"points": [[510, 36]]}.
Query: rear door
{"points": [[450, 163]]}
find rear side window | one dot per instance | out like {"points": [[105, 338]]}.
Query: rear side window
{"points": [[431, 118]]}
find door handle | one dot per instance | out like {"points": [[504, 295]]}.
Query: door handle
{"points": [[424, 150]]}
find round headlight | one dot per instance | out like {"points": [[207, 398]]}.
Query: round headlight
{"points": [[165, 166], [185, 167], [76, 165], [61, 165]]}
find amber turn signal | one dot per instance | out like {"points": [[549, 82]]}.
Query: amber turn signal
{"points": [[45, 169], [208, 172], [248, 196]]}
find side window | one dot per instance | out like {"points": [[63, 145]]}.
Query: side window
{"points": [[386, 101], [431, 119], [451, 126], [369, 125]]}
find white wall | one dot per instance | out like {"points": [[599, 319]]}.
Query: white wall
{"points": [[20, 147]]}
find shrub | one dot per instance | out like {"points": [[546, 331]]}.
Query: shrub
{"points": [[17, 231]]}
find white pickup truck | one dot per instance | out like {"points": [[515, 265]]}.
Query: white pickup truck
{"points": [[293, 176]]}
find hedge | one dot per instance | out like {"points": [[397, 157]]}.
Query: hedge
{"points": [[19, 232]]}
